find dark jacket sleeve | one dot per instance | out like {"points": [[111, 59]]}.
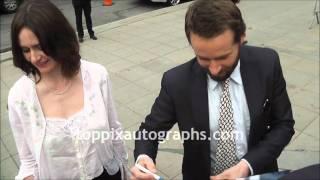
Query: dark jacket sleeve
{"points": [[281, 124], [160, 120]]}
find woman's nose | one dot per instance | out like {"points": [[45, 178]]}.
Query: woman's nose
{"points": [[34, 55]]}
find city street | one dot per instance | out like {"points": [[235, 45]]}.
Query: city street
{"points": [[100, 14]]}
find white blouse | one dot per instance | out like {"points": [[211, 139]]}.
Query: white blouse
{"points": [[62, 146], [29, 126]]}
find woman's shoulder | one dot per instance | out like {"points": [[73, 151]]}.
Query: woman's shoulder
{"points": [[21, 88], [93, 68]]}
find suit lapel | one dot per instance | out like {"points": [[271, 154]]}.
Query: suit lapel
{"points": [[200, 112], [199, 98], [251, 87]]}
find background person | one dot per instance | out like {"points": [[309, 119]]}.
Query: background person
{"points": [[59, 98], [79, 7]]}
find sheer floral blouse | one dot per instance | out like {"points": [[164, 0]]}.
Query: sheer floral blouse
{"points": [[84, 141]]}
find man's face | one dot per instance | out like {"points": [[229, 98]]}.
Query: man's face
{"points": [[218, 55]]}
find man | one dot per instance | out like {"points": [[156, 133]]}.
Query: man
{"points": [[227, 88], [85, 6]]}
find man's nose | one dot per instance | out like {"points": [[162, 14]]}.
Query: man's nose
{"points": [[215, 68]]}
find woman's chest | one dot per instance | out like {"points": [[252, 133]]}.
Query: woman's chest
{"points": [[62, 105]]}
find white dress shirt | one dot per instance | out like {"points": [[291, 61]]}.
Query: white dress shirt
{"points": [[240, 113]]}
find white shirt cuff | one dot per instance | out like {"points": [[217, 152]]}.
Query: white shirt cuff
{"points": [[141, 156], [251, 170]]}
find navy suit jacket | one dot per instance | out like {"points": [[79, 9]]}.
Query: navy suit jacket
{"points": [[183, 99]]}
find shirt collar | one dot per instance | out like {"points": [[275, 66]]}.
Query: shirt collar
{"points": [[235, 77]]}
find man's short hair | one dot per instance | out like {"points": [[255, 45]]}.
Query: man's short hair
{"points": [[210, 18], [57, 38]]}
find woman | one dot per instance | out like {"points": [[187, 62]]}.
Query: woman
{"points": [[60, 101]]}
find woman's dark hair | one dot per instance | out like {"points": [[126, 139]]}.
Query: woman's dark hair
{"points": [[56, 36], [210, 18], [235, 1]]}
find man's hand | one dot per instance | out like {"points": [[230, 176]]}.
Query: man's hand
{"points": [[146, 162], [238, 171]]}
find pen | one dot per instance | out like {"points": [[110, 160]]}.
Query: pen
{"points": [[141, 168], [265, 103]]}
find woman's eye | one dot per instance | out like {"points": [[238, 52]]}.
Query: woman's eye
{"points": [[25, 50], [38, 47]]}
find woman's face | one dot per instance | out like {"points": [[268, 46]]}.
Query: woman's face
{"points": [[33, 52]]}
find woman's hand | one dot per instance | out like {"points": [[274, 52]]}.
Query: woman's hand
{"points": [[29, 178]]}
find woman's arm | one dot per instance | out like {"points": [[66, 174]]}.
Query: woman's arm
{"points": [[119, 148], [28, 162], [29, 178], [113, 120]]}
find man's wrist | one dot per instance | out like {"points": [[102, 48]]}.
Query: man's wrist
{"points": [[142, 156], [247, 167]]}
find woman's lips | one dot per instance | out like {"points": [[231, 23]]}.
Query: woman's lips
{"points": [[42, 63]]}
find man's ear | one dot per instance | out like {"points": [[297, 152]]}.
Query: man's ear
{"points": [[243, 39]]}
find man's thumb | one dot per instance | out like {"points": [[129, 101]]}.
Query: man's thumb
{"points": [[150, 165]]}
